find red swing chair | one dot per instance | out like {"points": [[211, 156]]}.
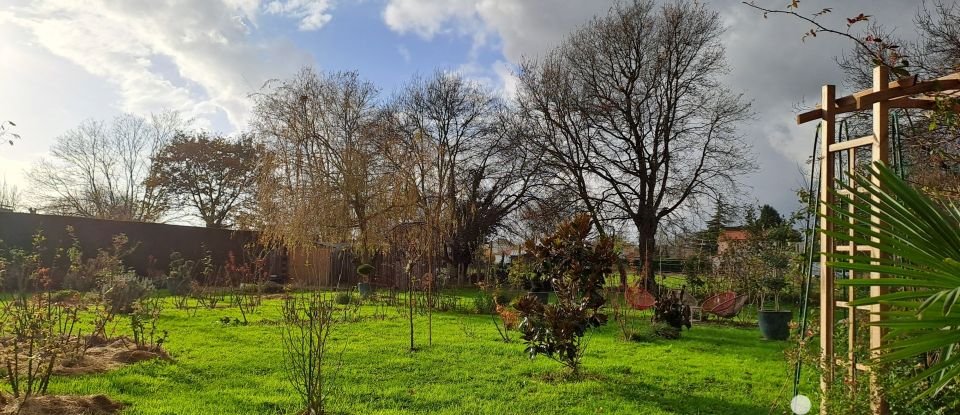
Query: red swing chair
{"points": [[639, 298], [725, 305]]}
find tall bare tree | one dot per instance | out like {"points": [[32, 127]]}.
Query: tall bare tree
{"points": [[99, 169], [632, 108], [468, 173], [494, 183], [326, 178]]}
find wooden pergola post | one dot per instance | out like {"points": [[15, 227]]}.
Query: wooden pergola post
{"points": [[880, 151], [827, 177], [880, 99]]}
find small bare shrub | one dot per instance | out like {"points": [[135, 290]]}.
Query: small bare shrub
{"points": [[143, 324], [37, 334], [308, 323], [120, 292]]}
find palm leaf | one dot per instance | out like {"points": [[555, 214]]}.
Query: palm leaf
{"points": [[920, 238]]}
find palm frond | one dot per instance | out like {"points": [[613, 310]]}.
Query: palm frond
{"points": [[920, 269]]}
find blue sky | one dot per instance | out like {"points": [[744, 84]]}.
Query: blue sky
{"points": [[63, 61]]}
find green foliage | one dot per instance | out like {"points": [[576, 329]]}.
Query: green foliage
{"points": [[665, 331], [365, 270], [344, 298], [576, 268], [922, 272], [524, 275], [671, 311], [143, 324], [212, 175]]}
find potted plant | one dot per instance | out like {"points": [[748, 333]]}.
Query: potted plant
{"points": [[774, 322], [363, 287]]}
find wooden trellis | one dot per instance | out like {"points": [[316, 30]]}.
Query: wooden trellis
{"points": [[884, 96]]}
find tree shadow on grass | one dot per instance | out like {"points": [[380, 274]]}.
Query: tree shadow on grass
{"points": [[751, 342], [683, 403]]}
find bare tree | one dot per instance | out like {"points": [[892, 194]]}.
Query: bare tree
{"points": [[9, 195], [326, 178], [462, 162], [631, 106], [494, 183], [99, 169]]}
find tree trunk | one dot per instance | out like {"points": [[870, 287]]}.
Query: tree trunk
{"points": [[648, 247]]}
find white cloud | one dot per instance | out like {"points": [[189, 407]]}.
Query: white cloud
{"points": [[214, 63], [65, 61], [525, 28], [313, 14], [427, 18]]}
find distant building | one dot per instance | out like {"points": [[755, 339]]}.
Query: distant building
{"points": [[731, 236], [503, 250]]}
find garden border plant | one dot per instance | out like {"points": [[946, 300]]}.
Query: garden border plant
{"points": [[576, 267]]}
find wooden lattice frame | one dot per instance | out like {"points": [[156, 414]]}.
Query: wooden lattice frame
{"points": [[885, 95]]}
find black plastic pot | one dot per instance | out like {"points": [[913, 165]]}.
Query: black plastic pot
{"points": [[775, 325]]}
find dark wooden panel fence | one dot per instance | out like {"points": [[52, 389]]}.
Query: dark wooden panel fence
{"points": [[323, 266], [154, 242]]}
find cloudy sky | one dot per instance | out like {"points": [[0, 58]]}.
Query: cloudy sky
{"points": [[63, 61]]}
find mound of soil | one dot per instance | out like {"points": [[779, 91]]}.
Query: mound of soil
{"points": [[61, 405], [107, 355]]}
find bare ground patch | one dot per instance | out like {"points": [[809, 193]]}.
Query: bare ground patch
{"points": [[107, 354], [61, 405]]}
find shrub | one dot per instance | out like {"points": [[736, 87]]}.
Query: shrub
{"points": [[343, 298], [576, 268], [664, 331], [121, 292], [484, 303], [308, 322], [65, 296], [179, 275], [365, 270], [38, 334], [671, 310], [143, 324]]}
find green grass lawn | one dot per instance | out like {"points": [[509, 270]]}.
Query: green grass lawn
{"points": [[227, 369]]}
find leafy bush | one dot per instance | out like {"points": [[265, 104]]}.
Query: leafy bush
{"points": [[84, 274], [671, 311], [65, 296], [664, 331], [121, 292], [484, 303], [266, 287], [365, 270], [343, 298], [576, 268], [143, 324], [523, 274]]}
